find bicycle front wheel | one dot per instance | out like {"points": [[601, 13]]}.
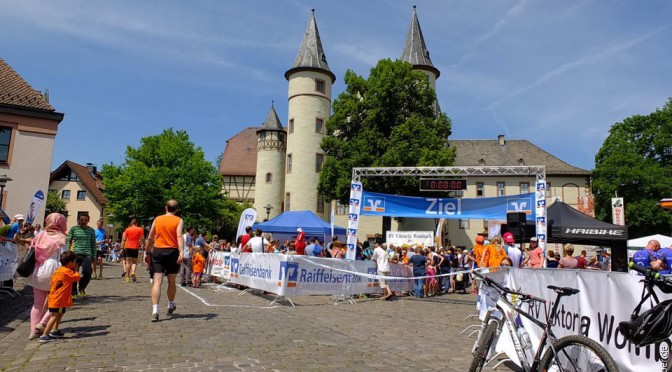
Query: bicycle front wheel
{"points": [[483, 347], [577, 353]]}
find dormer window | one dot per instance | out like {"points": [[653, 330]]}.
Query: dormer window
{"points": [[521, 162], [481, 162], [324, 58]]}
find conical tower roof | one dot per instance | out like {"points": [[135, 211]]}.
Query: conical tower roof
{"points": [[272, 121], [311, 54], [415, 51]]}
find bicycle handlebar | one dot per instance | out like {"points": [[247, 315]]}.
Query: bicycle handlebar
{"points": [[524, 296], [650, 274]]}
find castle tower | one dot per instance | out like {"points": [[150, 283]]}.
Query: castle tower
{"points": [[415, 51], [270, 178], [310, 82]]}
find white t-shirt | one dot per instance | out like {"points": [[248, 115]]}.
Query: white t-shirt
{"points": [[515, 255], [258, 244], [380, 256]]}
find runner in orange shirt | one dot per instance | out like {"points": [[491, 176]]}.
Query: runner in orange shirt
{"points": [[198, 265], [130, 242], [60, 297]]}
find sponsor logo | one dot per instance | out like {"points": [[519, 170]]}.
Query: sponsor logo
{"points": [[351, 247], [518, 205], [234, 268], [605, 232], [374, 204], [541, 203], [227, 262], [356, 187], [352, 231], [353, 217], [354, 202], [289, 272]]}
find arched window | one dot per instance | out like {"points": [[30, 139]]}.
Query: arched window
{"points": [[269, 177], [521, 161], [481, 162]]}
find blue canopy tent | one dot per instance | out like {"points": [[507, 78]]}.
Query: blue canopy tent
{"points": [[287, 223]]}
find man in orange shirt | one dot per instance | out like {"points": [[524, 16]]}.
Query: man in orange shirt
{"points": [[166, 245], [481, 253], [130, 242], [59, 295]]}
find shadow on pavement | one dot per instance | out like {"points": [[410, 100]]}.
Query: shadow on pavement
{"points": [[110, 299], [191, 316], [78, 319]]}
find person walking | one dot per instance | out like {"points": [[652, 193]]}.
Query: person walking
{"points": [[82, 241], [186, 266], [166, 245], [101, 234], [379, 256], [59, 299], [48, 247], [131, 242]]}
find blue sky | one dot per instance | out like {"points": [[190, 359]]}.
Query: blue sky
{"points": [[557, 73]]}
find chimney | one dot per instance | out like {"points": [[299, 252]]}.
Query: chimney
{"points": [[46, 95], [501, 140], [92, 169]]}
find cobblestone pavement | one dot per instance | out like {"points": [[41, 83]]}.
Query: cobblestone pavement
{"points": [[218, 328]]}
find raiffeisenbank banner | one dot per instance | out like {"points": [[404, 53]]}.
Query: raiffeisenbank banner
{"points": [[493, 208]]}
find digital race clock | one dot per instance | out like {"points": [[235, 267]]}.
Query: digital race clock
{"points": [[442, 184]]}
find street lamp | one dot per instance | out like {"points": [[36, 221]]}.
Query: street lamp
{"points": [[268, 208], [3, 182]]}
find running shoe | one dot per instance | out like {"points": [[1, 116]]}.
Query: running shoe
{"points": [[82, 294], [74, 296], [155, 317], [40, 328], [94, 277], [133, 278], [127, 280], [123, 274], [45, 339], [56, 334], [172, 308], [34, 335]]}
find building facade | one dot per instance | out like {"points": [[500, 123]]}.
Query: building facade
{"points": [[81, 187], [253, 171], [28, 127]]}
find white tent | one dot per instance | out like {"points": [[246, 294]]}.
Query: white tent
{"points": [[665, 241]]}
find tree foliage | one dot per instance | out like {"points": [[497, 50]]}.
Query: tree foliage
{"points": [[55, 204], [166, 166], [387, 120], [635, 161]]}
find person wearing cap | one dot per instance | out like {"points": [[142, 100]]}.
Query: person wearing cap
{"points": [[300, 243], [481, 255], [512, 251], [14, 229], [536, 257]]}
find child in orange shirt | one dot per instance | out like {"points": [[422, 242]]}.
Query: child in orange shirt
{"points": [[60, 296], [197, 266]]}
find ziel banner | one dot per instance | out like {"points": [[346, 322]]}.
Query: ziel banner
{"points": [[495, 208], [605, 300]]}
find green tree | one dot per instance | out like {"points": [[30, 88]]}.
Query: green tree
{"points": [[387, 120], [635, 161], [166, 166], [55, 204]]}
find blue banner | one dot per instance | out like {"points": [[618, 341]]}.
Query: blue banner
{"points": [[494, 208]]}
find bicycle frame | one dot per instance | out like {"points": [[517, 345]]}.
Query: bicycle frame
{"points": [[509, 311]]}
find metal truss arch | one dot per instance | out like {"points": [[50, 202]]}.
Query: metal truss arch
{"points": [[539, 171]]}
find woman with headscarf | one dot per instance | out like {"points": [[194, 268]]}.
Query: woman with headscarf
{"points": [[48, 246]]}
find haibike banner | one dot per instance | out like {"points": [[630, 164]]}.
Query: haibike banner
{"points": [[605, 300], [495, 208], [288, 275]]}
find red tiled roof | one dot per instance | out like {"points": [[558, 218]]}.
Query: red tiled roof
{"points": [[240, 154], [17, 92], [93, 183]]}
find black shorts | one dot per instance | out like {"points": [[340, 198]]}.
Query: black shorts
{"points": [[57, 310], [100, 254], [131, 253], [164, 260]]}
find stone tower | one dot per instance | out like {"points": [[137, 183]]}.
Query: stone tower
{"points": [[270, 178], [415, 51], [310, 82]]}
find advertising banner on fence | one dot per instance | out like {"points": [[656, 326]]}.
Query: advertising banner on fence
{"points": [[9, 260], [426, 238], [288, 275], [494, 208], [353, 219], [617, 211], [605, 300]]}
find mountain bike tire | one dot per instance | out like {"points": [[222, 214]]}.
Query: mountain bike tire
{"points": [[481, 353], [575, 350]]}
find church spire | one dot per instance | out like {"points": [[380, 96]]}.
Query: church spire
{"points": [[311, 55], [415, 51]]}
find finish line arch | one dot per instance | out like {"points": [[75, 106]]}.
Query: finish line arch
{"points": [[356, 191]]}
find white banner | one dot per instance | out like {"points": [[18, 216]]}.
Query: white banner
{"points": [[353, 219], [9, 260], [247, 218], [287, 275], [605, 300], [540, 202], [617, 211], [426, 238]]}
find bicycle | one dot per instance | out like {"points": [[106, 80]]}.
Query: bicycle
{"points": [[569, 353], [654, 325]]}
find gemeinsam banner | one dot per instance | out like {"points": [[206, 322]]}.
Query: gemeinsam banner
{"points": [[493, 208]]}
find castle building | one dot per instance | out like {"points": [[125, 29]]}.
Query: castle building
{"points": [[277, 168]]}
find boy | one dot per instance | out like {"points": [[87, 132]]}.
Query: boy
{"points": [[60, 295], [198, 265]]}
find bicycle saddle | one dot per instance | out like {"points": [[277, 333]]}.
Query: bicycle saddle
{"points": [[563, 291]]}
